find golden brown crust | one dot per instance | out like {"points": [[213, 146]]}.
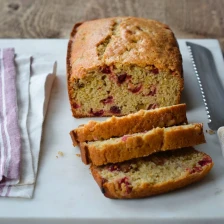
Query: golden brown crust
{"points": [[158, 139], [84, 154], [151, 43], [110, 190], [133, 123], [183, 136], [74, 137]]}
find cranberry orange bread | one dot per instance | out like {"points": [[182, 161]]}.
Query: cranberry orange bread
{"points": [[141, 144], [141, 121], [155, 174], [117, 66]]}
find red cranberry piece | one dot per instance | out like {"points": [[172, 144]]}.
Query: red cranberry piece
{"points": [[106, 70], [115, 110], [75, 105], [194, 170], [125, 181], [114, 167], [97, 113], [197, 169], [109, 99], [152, 91], [155, 71], [152, 106], [121, 78], [128, 189], [205, 161], [136, 89]]}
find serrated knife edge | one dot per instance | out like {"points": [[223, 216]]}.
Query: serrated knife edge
{"points": [[199, 82]]}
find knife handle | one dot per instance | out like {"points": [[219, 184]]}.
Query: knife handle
{"points": [[220, 133]]}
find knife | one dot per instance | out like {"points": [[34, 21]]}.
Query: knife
{"points": [[211, 88]]}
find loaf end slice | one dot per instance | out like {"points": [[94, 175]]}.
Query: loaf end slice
{"points": [[156, 174], [141, 144]]}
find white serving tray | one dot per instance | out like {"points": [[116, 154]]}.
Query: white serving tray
{"points": [[65, 190]]}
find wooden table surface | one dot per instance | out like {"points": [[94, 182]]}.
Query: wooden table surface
{"points": [[55, 18]]}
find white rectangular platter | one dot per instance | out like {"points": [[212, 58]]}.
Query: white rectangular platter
{"points": [[65, 190]]}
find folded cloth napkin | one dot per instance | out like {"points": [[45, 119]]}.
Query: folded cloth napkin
{"points": [[23, 71], [10, 139], [34, 79]]}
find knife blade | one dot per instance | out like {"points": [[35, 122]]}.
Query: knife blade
{"points": [[208, 79]]}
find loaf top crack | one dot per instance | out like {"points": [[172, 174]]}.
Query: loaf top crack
{"points": [[122, 40]]}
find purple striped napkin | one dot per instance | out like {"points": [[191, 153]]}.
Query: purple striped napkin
{"points": [[10, 139]]}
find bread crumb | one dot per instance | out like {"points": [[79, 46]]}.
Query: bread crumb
{"points": [[78, 155], [60, 153], [211, 132]]}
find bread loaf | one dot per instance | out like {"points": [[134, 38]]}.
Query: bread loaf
{"points": [[156, 174], [117, 66], [141, 144]]}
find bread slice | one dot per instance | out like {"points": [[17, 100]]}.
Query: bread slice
{"points": [[156, 174], [141, 121], [117, 66], [141, 144]]}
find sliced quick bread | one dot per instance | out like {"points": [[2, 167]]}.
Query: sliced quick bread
{"points": [[155, 174], [141, 121], [141, 144]]}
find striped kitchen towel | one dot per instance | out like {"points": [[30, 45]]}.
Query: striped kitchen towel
{"points": [[10, 139], [41, 77], [25, 87]]}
